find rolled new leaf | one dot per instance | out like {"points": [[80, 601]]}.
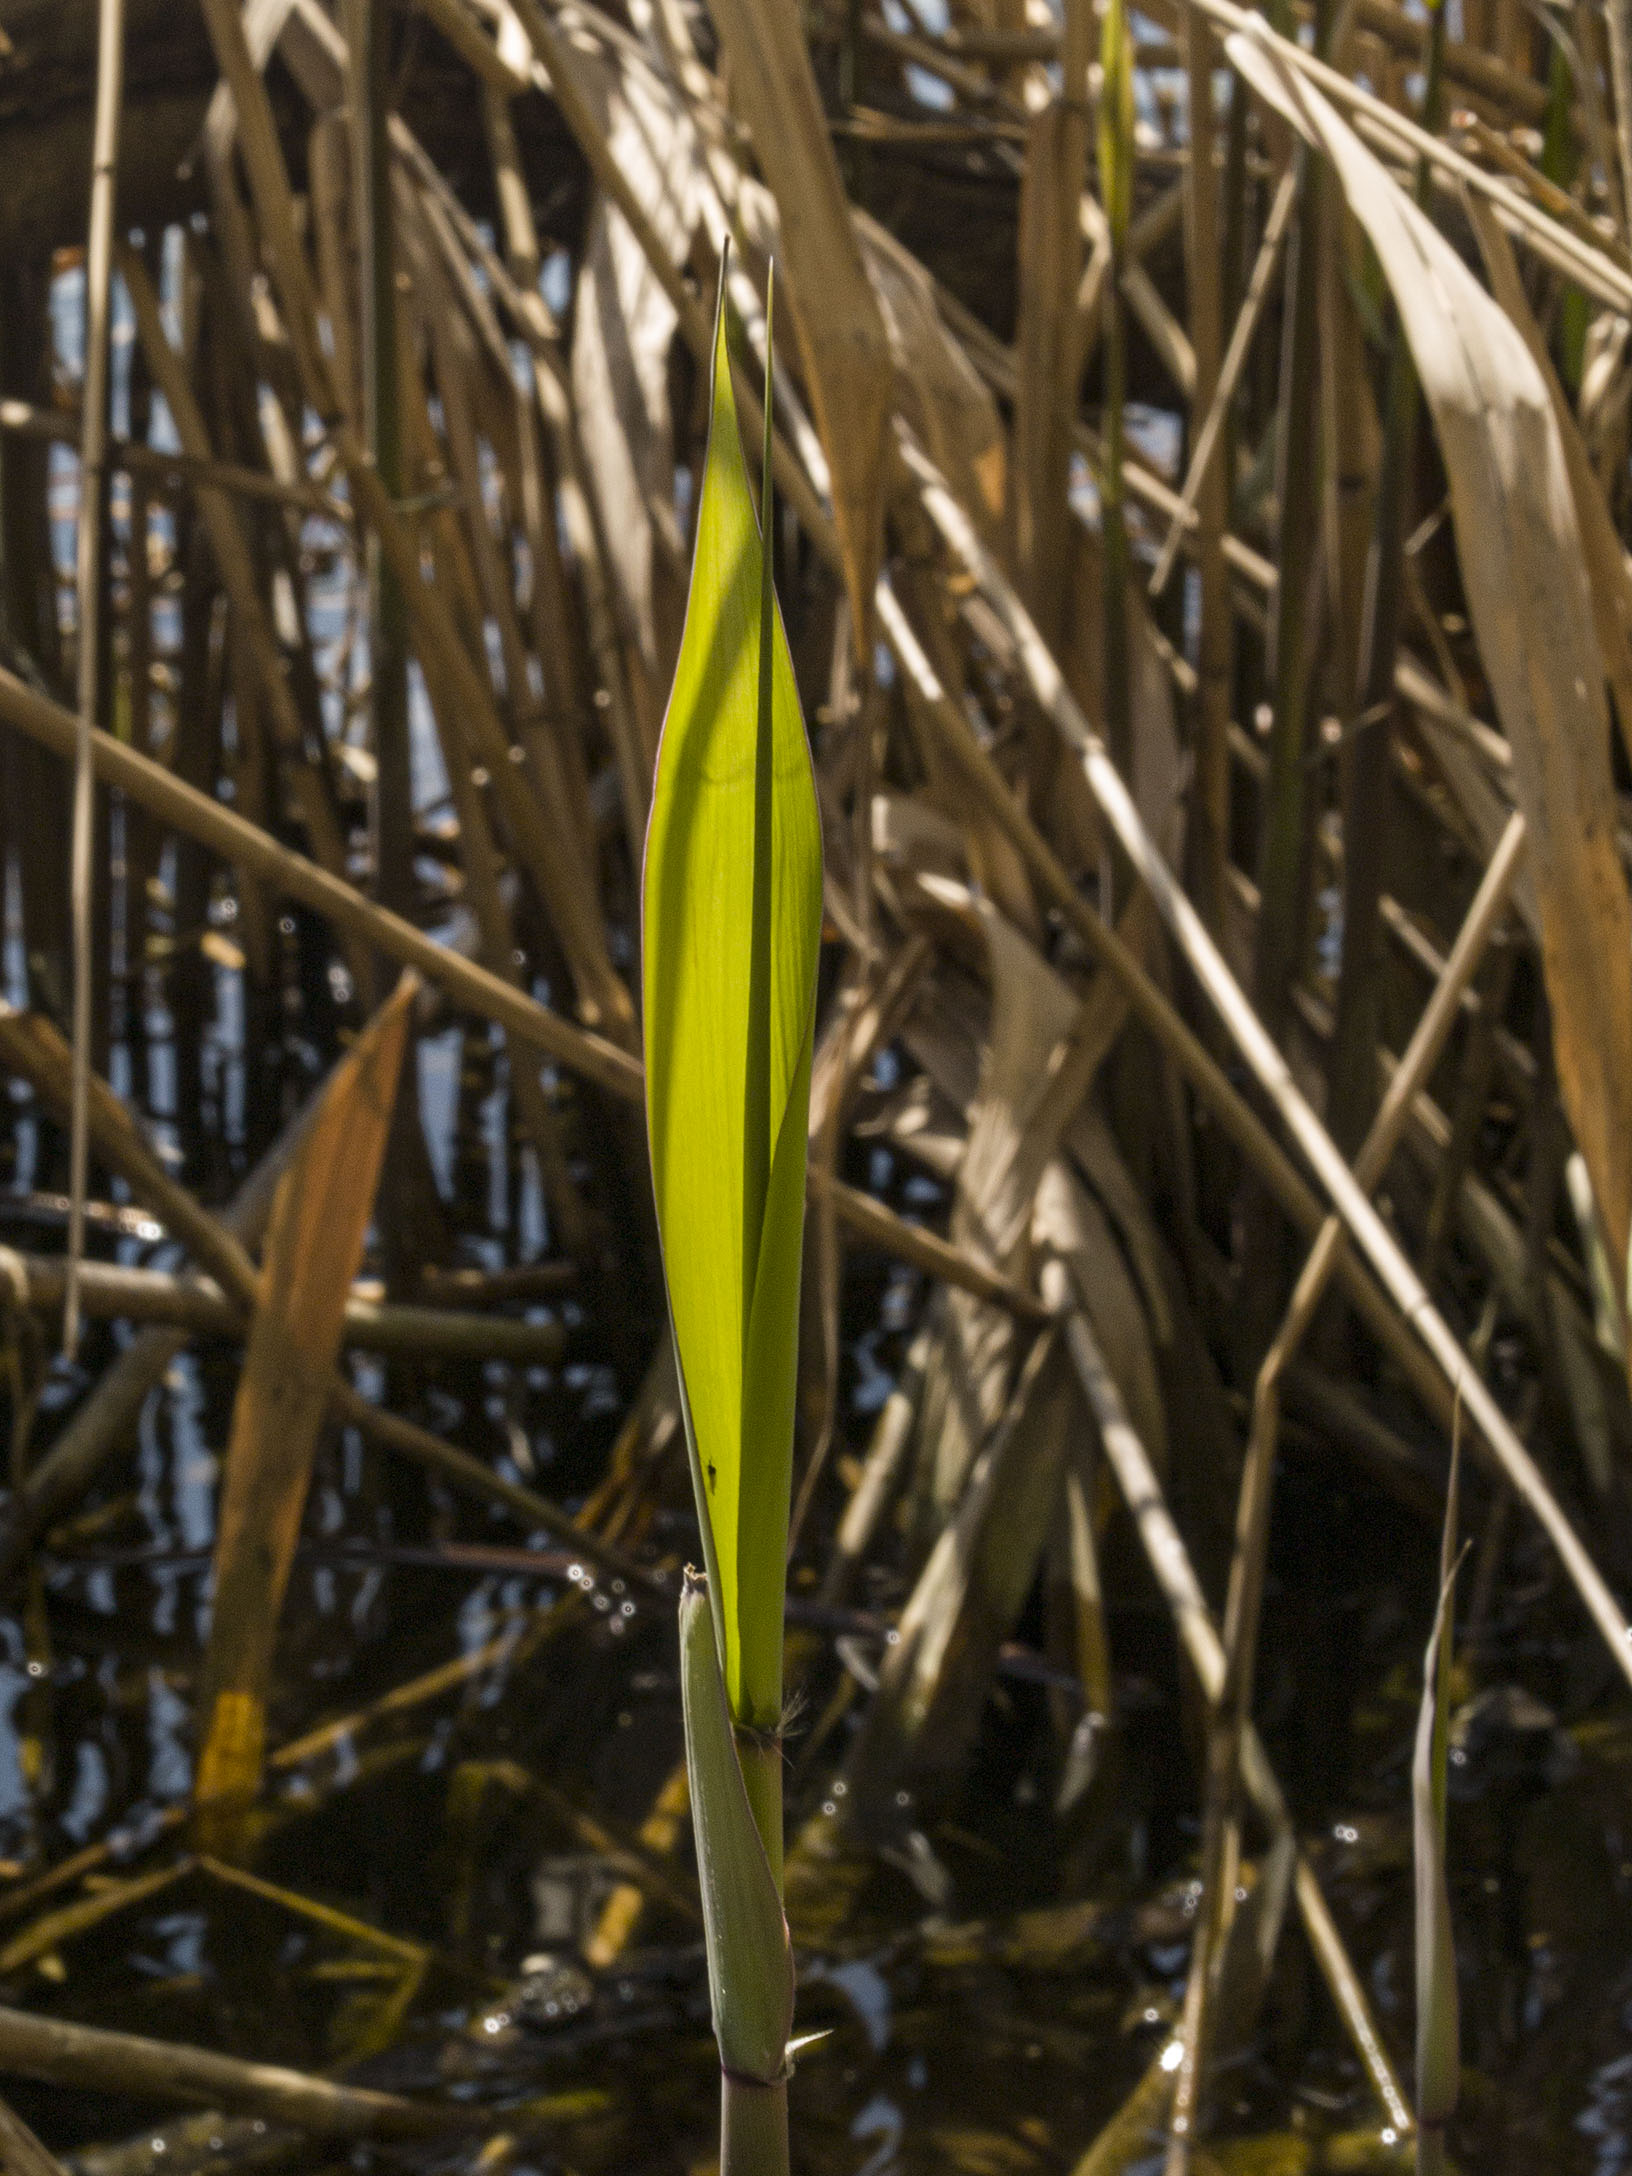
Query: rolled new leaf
{"points": [[750, 1959], [731, 915], [1116, 121]]}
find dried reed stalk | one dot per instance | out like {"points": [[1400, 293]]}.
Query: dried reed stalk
{"points": [[110, 52]]}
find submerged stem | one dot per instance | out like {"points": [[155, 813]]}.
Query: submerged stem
{"points": [[1430, 2150]]}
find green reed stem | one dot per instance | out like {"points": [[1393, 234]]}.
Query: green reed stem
{"points": [[753, 2127]]}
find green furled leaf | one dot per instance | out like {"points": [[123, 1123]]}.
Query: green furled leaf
{"points": [[732, 925], [1439, 2032], [1116, 120], [750, 1959]]}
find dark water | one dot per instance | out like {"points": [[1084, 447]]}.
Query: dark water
{"points": [[994, 1990]]}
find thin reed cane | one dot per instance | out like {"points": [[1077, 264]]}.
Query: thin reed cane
{"points": [[110, 70]]}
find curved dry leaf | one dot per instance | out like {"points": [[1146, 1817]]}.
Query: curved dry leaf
{"points": [[937, 388], [1520, 550], [1070, 1223], [1607, 570], [1015, 1129], [971, 1590]]}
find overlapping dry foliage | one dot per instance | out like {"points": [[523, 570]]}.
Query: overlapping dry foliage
{"points": [[1200, 533]]}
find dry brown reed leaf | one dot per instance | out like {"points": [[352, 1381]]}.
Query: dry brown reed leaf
{"points": [[1037, 1054], [970, 1371], [971, 1591], [1607, 570], [1048, 347], [1159, 771], [314, 1242], [1523, 567], [937, 388], [936, 385], [1069, 1223], [1269, 1065]]}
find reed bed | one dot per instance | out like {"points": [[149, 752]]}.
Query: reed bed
{"points": [[1196, 444]]}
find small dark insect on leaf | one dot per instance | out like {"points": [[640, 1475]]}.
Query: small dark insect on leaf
{"points": [[711, 1477]]}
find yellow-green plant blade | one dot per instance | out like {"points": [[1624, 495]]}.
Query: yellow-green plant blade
{"points": [[750, 1959], [756, 1101], [733, 878], [1116, 121], [770, 1376]]}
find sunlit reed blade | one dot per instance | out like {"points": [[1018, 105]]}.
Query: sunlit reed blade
{"points": [[756, 1146], [732, 919]]}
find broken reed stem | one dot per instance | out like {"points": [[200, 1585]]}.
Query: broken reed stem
{"points": [[1204, 282], [1281, 860], [1204, 466], [88, 2059], [1244, 1603], [117, 1292], [167, 471], [110, 54], [369, 92]]}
